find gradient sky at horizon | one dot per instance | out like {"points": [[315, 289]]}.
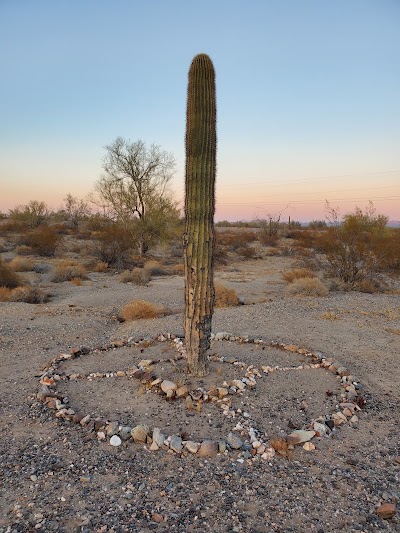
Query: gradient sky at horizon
{"points": [[308, 97]]}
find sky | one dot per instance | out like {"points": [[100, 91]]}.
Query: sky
{"points": [[307, 96]]}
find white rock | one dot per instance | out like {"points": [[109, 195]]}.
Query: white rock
{"points": [[115, 441]]}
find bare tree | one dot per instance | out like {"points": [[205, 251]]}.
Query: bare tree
{"points": [[75, 210], [134, 188]]}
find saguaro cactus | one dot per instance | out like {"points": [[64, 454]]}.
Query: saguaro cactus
{"points": [[199, 239]]}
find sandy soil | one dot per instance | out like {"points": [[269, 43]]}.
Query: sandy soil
{"points": [[52, 479]]}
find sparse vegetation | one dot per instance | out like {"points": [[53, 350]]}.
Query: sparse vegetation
{"points": [[140, 309], [67, 270], [307, 287], [225, 297], [297, 273], [8, 278], [21, 264], [138, 276]]}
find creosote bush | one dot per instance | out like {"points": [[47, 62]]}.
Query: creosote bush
{"points": [[225, 297], [114, 246], [29, 295], [43, 241], [140, 309], [138, 276], [297, 273], [67, 270], [8, 278], [307, 287]]}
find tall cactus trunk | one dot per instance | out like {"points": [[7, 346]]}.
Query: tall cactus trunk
{"points": [[199, 238]]}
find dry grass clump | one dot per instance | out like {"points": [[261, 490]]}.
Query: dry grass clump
{"points": [[8, 278], [21, 264], [138, 309], [138, 276], [23, 249], [100, 266], [225, 297], [67, 270], [297, 273], [76, 281], [307, 287], [27, 294], [179, 269], [155, 268]]}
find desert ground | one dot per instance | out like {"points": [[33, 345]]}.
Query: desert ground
{"points": [[57, 476]]}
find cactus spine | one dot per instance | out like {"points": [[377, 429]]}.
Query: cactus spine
{"points": [[199, 238]]}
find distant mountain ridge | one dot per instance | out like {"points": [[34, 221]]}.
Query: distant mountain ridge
{"points": [[394, 223]]}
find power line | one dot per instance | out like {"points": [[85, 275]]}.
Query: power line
{"points": [[260, 204]]}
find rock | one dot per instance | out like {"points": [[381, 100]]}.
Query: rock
{"points": [[125, 432], [112, 429], [261, 449], [320, 429], [140, 432], [268, 454], [169, 387], [120, 374], [208, 448], [222, 335], [222, 392], [145, 363], [157, 518], [182, 392], [197, 394], [192, 447], [115, 441], [298, 436], [176, 444], [291, 348], [154, 447], [85, 420], [343, 371], [158, 437], [347, 412], [386, 510], [234, 441], [308, 446], [238, 384], [221, 446]]}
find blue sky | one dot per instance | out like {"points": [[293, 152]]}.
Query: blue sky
{"points": [[307, 91]]}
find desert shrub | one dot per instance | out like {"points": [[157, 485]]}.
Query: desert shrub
{"points": [[357, 248], [178, 270], [235, 239], [138, 309], [138, 276], [68, 270], [8, 278], [43, 240], [100, 266], [21, 264], [41, 268], [317, 224], [307, 287], [76, 281], [22, 249], [297, 273], [4, 294], [31, 215], [225, 297], [155, 268], [368, 286], [29, 295], [246, 251], [268, 240], [114, 246]]}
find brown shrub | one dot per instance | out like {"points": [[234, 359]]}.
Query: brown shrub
{"points": [[4, 294], [178, 270], [297, 273], [225, 297], [21, 264], [100, 266], [43, 241], [8, 278], [138, 276], [22, 249], [246, 251], [138, 309], [115, 246], [307, 287], [76, 281], [67, 270], [235, 239], [29, 295], [155, 268]]}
